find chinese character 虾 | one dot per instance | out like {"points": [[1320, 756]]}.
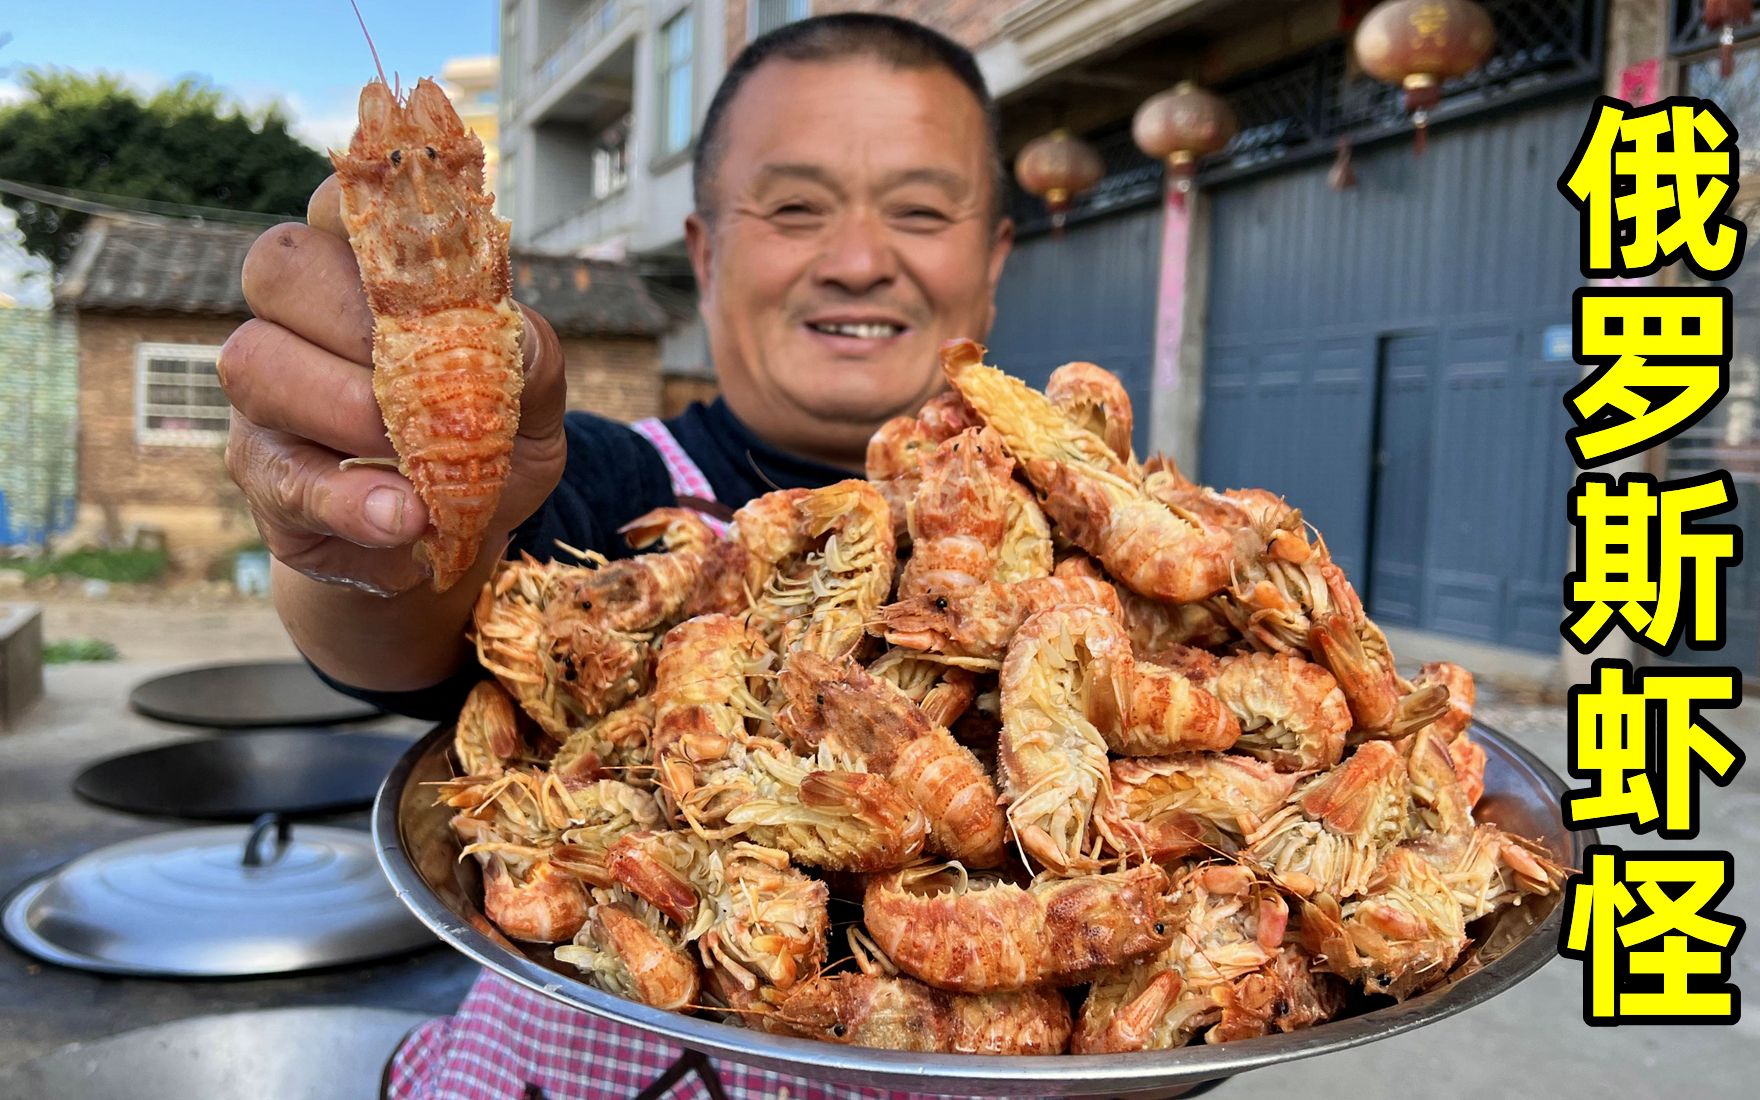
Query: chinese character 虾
{"points": [[1627, 728]]}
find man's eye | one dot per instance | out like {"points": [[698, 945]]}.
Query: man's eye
{"points": [[922, 216], [793, 210]]}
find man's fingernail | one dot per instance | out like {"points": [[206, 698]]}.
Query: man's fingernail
{"points": [[384, 510]]}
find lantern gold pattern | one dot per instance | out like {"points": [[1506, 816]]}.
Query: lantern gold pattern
{"points": [[1418, 44], [1181, 126], [1057, 167]]}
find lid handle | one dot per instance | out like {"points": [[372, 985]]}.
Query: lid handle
{"points": [[253, 856]]}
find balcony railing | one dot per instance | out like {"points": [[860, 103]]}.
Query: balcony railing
{"points": [[592, 26]]}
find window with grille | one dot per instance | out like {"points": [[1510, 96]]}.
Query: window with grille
{"points": [[178, 399], [675, 83], [767, 15]]}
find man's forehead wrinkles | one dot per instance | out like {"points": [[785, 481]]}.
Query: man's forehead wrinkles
{"points": [[954, 183]]}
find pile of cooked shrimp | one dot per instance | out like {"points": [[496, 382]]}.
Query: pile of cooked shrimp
{"points": [[1055, 749]]}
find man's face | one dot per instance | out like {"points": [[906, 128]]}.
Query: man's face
{"points": [[851, 232]]}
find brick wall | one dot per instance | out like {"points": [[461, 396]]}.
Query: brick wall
{"points": [[678, 392], [114, 467], [615, 376], [183, 491], [39, 396]]}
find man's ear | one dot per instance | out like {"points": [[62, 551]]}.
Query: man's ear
{"points": [[1001, 243], [697, 242]]}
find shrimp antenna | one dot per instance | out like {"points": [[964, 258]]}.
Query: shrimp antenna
{"points": [[370, 47]]}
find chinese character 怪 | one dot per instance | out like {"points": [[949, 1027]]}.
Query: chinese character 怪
{"points": [[1657, 182], [1675, 981], [1637, 544], [1626, 729]]}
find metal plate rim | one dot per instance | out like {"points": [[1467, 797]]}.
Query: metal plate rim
{"points": [[1073, 1074]]}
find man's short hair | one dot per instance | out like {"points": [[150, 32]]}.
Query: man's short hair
{"points": [[888, 39]]}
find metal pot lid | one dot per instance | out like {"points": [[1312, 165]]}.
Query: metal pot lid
{"points": [[221, 901]]}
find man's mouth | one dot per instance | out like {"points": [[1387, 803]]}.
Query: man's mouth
{"points": [[861, 330]]}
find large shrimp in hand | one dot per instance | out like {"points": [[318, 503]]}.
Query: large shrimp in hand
{"points": [[446, 334]]}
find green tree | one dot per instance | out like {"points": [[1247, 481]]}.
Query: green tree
{"points": [[185, 144]]}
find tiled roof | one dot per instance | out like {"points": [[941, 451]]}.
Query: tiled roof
{"points": [[181, 267], [178, 267], [588, 297]]}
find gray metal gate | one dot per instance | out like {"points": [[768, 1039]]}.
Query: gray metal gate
{"points": [[1381, 357], [1089, 294]]}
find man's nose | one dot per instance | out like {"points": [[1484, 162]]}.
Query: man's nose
{"points": [[857, 257]]}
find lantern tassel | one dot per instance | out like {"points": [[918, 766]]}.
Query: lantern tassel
{"points": [[1726, 52], [1420, 132], [1343, 175]]}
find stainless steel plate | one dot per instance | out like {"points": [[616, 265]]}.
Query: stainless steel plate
{"points": [[420, 855]]}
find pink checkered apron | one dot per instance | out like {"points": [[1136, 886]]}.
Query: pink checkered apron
{"points": [[688, 482], [509, 1043]]}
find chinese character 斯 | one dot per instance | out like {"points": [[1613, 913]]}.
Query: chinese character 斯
{"points": [[1638, 543]]}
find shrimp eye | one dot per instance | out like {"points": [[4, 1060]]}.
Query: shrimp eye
{"points": [[586, 605], [397, 156], [941, 603], [819, 700], [431, 154], [837, 1030], [1160, 929]]}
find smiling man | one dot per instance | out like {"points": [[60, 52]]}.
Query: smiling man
{"points": [[848, 221]]}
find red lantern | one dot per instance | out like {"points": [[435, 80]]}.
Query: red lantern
{"points": [[1057, 167], [1181, 126], [1724, 16], [1418, 44]]}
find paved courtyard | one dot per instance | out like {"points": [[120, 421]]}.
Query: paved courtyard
{"points": [[1530, 1041]]}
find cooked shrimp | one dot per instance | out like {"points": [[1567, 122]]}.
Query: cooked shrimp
{"points": [[1171, 807], [544, 905], [860, 716], [1027, 551], [628, 949], [977, 623], [617, 742], [1095, 399], [446, 334], [959, 515], [1088, 492], [972, 934], [486, 736], [1399, 938], [759, 924], [726, 784], [941, 691], [905, 1014], [1335, 828], [1291, 711], [1226, 924], [819, 564], [1052, 757]]}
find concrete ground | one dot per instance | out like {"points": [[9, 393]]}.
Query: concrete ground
{"points": [[1530, 1041]]}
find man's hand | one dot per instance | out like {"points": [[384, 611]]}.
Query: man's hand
{"points": [[299, 376]]}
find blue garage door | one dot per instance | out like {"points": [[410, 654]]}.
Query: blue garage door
{"points": [[1089, 294], [1379, 356]]}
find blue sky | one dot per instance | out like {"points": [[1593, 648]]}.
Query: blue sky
{"points": [[309, 54]]}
